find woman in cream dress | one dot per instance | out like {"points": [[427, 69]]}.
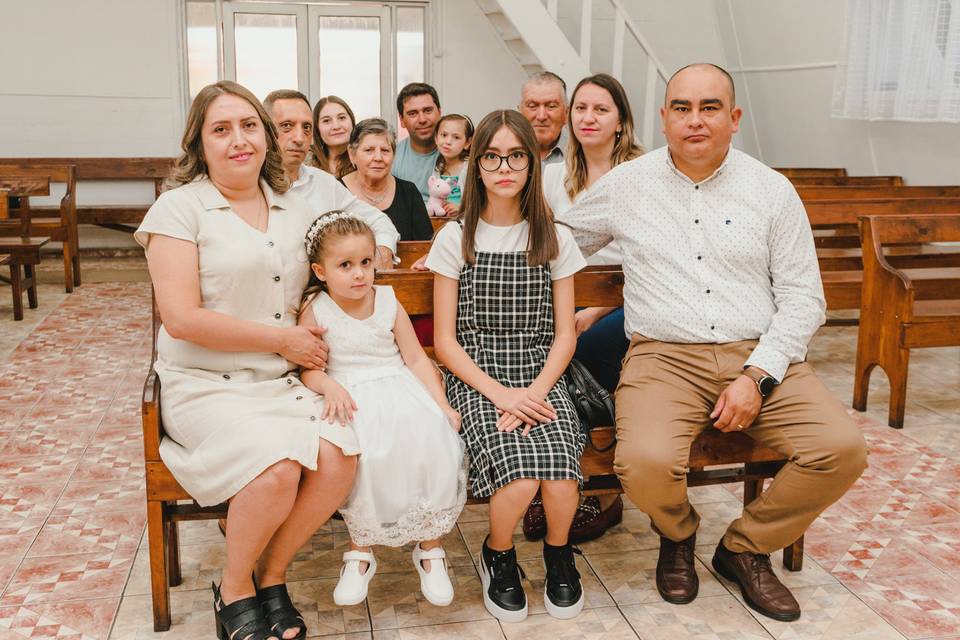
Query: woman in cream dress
{"points": [[225, 250]]}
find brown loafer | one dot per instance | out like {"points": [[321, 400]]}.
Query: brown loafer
{"points": [[760, 586], [677, 579], [590, 522], [535, 520]]}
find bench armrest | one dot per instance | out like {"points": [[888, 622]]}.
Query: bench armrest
{"points": [[150, 407]]}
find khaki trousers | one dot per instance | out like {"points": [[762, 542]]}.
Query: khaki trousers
{"points": [[664, 400]]}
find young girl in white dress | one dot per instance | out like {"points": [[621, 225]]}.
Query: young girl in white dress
{"points": [[410, 484]]}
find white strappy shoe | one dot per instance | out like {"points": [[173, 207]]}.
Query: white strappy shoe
{"points": [[434, 584], [352, 587]]}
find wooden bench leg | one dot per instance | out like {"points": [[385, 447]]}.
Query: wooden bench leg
{"points": [[159, 580], [67, 267], [793, 555], [17, 287], [30, 278], [76, 266], [173, 554], [751, 490], [861, 385], [897, 374]]}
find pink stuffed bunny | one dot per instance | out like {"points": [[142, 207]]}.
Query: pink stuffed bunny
{"points": [[439, 190]]}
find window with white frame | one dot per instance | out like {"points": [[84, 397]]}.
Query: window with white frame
{"points": [[363, 52]]}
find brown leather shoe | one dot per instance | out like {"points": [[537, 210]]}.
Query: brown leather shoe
{"points": [[535, 520], [590, 522], [677, 579], [760, 586]]}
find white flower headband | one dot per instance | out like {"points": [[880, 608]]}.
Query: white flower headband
{"points": [[323, 221]]}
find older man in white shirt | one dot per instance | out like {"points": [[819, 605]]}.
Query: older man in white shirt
{"points": [[722, 294], [291, 114]]}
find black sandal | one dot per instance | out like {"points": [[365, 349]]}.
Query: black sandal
{"points": [[240, 620], [280, 613]]}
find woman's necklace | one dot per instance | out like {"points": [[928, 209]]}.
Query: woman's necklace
{"points": [[372, 198]]}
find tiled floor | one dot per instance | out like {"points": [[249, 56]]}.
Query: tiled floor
{"points": [[882, 563]]}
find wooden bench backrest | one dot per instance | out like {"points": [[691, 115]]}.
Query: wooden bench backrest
{"points": [[806, 172], [912, 229], [890, 181], [106, 168], [64, 173], [831, 213], [4, 204], [875, 192], [409, 251], [597, 286]]}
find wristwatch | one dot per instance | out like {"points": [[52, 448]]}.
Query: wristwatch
{"points": [[765, 383]]}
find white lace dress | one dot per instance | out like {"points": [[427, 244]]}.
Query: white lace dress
{"points": [[411, 482]]}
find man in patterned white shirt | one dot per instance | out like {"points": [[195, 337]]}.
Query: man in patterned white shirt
{"points": [[722, 294]]}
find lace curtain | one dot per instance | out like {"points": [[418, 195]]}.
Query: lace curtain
{"points": [[902, 61]]}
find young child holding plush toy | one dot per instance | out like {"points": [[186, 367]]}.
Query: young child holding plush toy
{"points": [[454, 132]]}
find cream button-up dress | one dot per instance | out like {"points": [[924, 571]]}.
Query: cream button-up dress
{"points": [[230, 415]]}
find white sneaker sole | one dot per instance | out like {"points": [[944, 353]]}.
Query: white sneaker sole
{"points": [[562, 613], [504, 615]]}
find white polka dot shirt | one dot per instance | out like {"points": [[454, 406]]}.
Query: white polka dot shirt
{"points": [[730, 258]]}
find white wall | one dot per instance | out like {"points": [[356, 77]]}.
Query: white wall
{"points": [[791, 108], [474, 72], [92, 78]]}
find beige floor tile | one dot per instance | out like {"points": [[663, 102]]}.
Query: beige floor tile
{"points": [[592, 624], [476, 630], [632, 534], [719, 617], [595, 595], [474, 533], [191, 617], [314, 599], [632, 578], [396, 602], [829, 612], [475, 513], [12, 333], [200, 564]]}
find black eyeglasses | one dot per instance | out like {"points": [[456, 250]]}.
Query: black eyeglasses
{"points": [[517, 160]]}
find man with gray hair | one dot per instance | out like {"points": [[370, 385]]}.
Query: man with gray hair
{"points": [[543, 101], [293, 118]]}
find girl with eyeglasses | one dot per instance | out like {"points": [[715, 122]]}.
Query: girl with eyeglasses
{"points": [[504, 328]]}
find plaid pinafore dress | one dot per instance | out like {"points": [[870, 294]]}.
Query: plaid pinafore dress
{"points": [[505, 324]]}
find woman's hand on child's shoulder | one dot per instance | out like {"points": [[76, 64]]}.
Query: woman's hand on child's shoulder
{"points": [[453, 417], [338, 405]]}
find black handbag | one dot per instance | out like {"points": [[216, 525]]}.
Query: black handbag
{"points": [[593, 402]]}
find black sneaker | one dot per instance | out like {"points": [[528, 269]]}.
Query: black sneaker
{"points": [[503, 594], [562, 592]]}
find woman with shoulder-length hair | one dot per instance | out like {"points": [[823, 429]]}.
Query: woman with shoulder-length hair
{"points": [[601, 137], [333, 120], [226, 254], [372, 149]]}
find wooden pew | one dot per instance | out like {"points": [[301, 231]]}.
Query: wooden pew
{"points": [[409, 251], [806, 172], [154, 170], [58, 224], [897, 313], [890, 181], [733, 457], [819, 192]]}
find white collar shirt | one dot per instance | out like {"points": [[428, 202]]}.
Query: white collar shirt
{"points": [[729, 258], [324, 193]]}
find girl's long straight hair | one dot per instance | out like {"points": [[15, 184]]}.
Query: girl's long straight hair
{"points": [[542, 243]]}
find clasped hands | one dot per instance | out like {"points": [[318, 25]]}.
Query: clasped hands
{"points": [[521, 406]]}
